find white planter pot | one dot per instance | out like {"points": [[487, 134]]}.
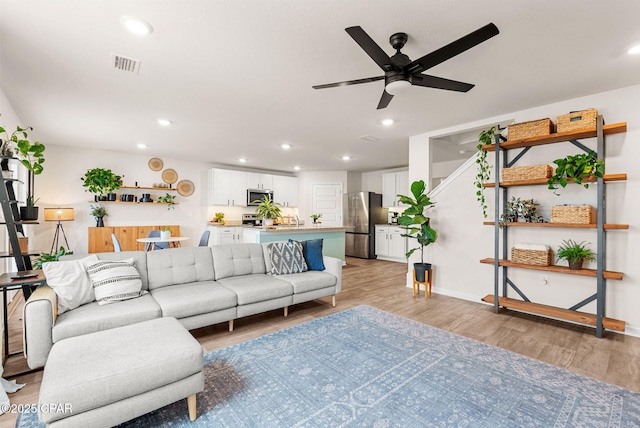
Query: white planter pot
{"points": [[165, 234], [267, 222]]}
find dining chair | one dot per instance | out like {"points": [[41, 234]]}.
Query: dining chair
{"points": [[116, 243], [157, 245], [204, 239]]}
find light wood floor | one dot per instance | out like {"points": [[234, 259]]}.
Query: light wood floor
{"points": [[614, 359]]}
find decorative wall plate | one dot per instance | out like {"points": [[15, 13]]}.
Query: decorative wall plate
{"points": [[155, 164], [185, 188], [169, 176]]}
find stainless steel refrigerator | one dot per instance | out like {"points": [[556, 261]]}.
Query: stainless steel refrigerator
{"points": [[362, 211]]}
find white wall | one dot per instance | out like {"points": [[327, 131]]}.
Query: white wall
{"points": [[463, 240]]}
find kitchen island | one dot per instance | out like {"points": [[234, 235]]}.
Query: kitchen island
{"points": [[333, 237]]}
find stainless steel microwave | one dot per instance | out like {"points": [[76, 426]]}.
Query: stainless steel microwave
{"points": [[254, 195]]}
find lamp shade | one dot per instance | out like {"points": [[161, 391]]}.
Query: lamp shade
{"points": [[58, 214]]}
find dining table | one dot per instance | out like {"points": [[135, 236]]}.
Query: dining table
{"points": [[151, 244]]}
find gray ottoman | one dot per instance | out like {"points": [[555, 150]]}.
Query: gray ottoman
{"points": [[109, 377]]}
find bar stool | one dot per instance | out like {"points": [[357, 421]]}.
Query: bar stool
{"points": [[428, 284]]}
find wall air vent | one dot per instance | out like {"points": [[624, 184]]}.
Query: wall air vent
{"points": [[368, 138], [123, 63]]}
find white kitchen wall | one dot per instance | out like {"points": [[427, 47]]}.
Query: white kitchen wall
{"points": [[307, 178], [463, 240]]}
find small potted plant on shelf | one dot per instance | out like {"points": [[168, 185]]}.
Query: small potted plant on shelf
{"points": [[32, 157], [417, 225], [316, 217], [101, 182], [169, 200], [486, 137], [576, 168], [268, 210], [99, 211], [165, 232], [575, 253]]}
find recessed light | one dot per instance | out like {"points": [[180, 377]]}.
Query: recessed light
{"points": [[164, 122], [136, 25], [346, 157], [634, 50], [242, 160], [285, 146], [388, 122], [297, 168], [142, 146]]}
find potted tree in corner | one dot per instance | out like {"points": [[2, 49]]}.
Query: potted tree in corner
{"points": [[32, 157], [268, 210], [416, 223], [100, 182]]}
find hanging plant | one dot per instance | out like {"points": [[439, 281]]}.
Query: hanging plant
{"points": [[486, 137], [576, 168]]}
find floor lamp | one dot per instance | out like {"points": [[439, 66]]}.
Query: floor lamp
{"points": [[59, 215]]}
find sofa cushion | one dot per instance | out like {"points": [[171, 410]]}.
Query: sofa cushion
{"points": [[286, 257], [237, 259], [70, 281], [196, 298], [309, 281], [179, 266], [140, 258], [312, 251], [257, 288], [115, 281], [92, 317]]}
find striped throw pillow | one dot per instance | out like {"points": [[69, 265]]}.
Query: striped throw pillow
{"points": [[286, 257], [114, 281]]}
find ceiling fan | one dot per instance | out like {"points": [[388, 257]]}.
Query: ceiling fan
{"points": [[400, 73]]}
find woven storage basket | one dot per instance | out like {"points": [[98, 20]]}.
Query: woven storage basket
{"points": [[577, 120], [531, 257], [527, 172], [535, 128], [576, 214]]}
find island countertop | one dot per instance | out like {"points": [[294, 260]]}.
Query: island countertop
{"points": [[333, 236], [293, 229]]}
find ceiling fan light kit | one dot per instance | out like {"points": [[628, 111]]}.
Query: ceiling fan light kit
{"points": [[400, 73]]}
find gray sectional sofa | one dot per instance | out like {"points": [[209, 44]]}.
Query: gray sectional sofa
{"points": [[199, 286]]}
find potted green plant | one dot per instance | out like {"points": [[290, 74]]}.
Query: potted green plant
{"points": [[32, 157], [100, 182], [45, 258], [576, 168], [99, 211], [417, 226], [268, 210], [316, 217], [483, 175], [165, 232], [169, 200], [575, 253], [218, 217]]}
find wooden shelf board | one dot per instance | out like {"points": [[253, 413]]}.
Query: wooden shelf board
{"points": [[607, 226], [607, 178], [554, 312], [149, 188], [558, 269], [614, 128]]}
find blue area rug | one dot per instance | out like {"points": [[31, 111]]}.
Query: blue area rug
{"points": [[366, 367]]}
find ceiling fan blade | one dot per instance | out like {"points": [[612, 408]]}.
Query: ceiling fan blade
{"points": [[452, 49], [371, 48], [384, 100], [440, 83], [348, 82]]}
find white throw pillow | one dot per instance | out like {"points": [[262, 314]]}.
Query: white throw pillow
{"points": [[70, 281], [114, 281]]}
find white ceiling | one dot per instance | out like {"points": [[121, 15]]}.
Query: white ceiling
{"points": [[235, 77]]}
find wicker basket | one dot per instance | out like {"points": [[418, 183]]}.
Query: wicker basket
{"points": [[575, 214], [531, 257], [535, 128], [24, 245], [527, 172], [577, 120]]}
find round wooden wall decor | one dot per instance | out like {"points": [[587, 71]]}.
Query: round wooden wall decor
{"points": [[155, 164], [185, 188], [169, 176]]}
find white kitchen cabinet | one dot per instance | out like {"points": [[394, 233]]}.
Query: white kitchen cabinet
{"points": [[394, 183], [259, 181], [390, 244], [227, 187], [221, 235], [285, 190]]}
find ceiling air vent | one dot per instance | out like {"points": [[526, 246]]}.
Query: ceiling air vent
{"points": [[367, 138], [121, 62]]}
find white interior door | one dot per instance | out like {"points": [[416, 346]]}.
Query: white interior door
{"points": [[327, 200]]}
